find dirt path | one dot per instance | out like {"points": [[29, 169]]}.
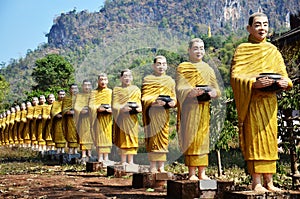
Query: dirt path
{"points": [[72, 185]]}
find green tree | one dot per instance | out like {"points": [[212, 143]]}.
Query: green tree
{"points": [[51, 73], [4, 90]]}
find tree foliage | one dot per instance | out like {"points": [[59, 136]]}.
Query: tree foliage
{"points": [[51, 73], [229, 137], [4, 89]]}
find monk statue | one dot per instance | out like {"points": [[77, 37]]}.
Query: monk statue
{"points": [[255, 64]]}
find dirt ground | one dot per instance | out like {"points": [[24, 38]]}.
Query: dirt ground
{"points": [[73, 185]]}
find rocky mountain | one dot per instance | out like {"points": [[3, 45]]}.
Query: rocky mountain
{"points": [[162, 24], [185, 16]]}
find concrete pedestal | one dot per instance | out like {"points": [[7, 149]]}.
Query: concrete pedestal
{"points": [[65, 158], [94, 166], [182, 189], [188, 189], [116, 171], [50, 155], [150, 180], [255, 195], [119, 170], [223, 186]]}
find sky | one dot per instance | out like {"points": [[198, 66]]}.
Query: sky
{"points": [[24, 23]]}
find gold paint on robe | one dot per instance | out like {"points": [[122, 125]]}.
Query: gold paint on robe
{"points": [[101, 123], [156, 119], [193, 119], [257, 110], [125, 124]]}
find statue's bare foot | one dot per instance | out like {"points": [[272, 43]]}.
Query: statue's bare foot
{"points": [[273, 188], [153, 170], [259, 188], [124, 163], [204, 177], [161, 170], [193, 177]]}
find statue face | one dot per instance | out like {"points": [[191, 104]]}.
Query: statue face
{"points": [[86, 87], [17, 108], [196, 52], [126, 78], [259, 28], [102, 81], [74, 89], [160, 66], [51, 99], [61, 95], [23, 106], [28, 104], [35, 101], [42, 99]]}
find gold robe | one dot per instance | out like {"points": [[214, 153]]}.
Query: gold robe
{"points": [[57, 129], [46, 125], [38, 110], [193, 117], [101, 123], [68, 122], [30, 124], [125, 124], [156, 119], [3, 125], [16, 133], [82, 121], [24, 136], [6, 130], [1, 132], [257, 110], [11, 128]]}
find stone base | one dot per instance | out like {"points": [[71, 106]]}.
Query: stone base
{"points": [[185, 189], [65, 158], [94, 166], [118, 170], [224, 186], [208, 184], [296, 181], [150, 180], [51, 152], [255, 195], [50, 155]]}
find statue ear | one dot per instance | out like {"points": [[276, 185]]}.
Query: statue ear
{"points": [[248, 28]]}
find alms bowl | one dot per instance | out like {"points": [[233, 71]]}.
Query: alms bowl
{"points": [[205, 96], [274, 86]]}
